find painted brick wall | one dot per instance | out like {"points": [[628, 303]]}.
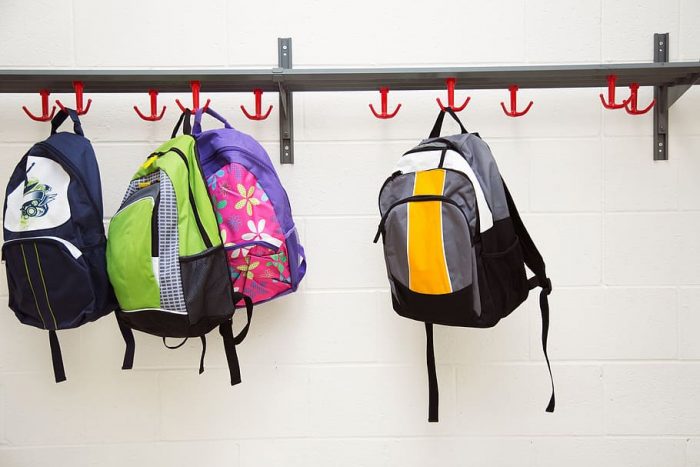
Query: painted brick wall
{"points": [[331, 375]]}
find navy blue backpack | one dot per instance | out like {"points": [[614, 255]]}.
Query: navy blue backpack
{"points": [[54, 248]]}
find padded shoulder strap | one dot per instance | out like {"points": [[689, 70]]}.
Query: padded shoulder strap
{"points": [[230, 342], [61, 117], [534, 261]]}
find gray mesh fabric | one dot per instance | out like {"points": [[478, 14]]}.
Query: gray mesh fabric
{"points": [[171, 293]]}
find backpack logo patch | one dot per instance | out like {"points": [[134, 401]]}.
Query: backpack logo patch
{"points": [[37, 197], [41, 200]]}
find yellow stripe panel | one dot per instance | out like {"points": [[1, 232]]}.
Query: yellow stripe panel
{"points": [[427, 265]]}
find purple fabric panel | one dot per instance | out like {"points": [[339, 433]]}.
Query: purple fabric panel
{"points": [[220, 147]]}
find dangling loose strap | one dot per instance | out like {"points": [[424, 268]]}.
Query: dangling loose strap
{"points": [[56, 358], [234, 368], [544, 308], [173, 347], [433, 394], [533, 260], [128, 336], [230, 342], [204, 351]]}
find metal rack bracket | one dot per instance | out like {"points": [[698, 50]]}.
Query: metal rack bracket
{"points": [[665, 96], [284, 60]]}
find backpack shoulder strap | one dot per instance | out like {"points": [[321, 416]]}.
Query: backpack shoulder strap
{"points": [[230, 342], [534, 261]]}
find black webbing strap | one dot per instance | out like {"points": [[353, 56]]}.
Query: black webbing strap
{"points": [[56, 358], [128, 336], [230, 342], [204, 351], [433, 394], [435, 132], [544, 308], [533, 260], [61, 117], [234, 369], [173, 347], [187, 128]]}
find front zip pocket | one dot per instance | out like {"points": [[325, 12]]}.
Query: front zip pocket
{"points": [[132, 250], [259, 269], [427, 244], [49, 282]]}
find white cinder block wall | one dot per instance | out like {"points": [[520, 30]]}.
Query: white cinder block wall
{"points": [[332, 377]]}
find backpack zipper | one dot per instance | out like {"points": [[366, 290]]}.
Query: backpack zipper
{"points": [[197, 219], [252, 243], [416, 199], [477, 234], [155, 240]]}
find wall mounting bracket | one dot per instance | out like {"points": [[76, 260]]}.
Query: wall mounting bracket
{"points": [[665, 95]]}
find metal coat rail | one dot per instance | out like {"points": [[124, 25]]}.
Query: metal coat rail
{"points": [[670, 81]]}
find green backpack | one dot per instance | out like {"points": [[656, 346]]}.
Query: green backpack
{"points": [[165, 258]]}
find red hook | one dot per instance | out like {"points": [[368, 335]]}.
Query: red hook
{"points": [[384, 114], [195, 86], [258, 107], [631, 102], [611, 104], [44, 117], [154, 108], [78, 87], [451, 97], [513, 89]]}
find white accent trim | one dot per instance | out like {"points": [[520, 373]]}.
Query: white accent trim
{"points": [[428, 160], [442, 232], [156, 309], [50, 205], [155, 265], [72, 249]]}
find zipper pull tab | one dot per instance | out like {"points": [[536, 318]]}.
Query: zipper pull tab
{"points": [[149, 162]]}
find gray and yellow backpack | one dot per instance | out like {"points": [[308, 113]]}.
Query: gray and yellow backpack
{"points": [[165, 257], [454, 244]]}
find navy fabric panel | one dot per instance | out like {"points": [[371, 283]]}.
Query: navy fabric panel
{"points": [[78, 289]]}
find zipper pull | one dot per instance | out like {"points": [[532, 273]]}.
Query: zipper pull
{"points": [[149, 162]]}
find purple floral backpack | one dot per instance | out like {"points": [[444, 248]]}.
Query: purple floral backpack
{"points": [[264, 255]]}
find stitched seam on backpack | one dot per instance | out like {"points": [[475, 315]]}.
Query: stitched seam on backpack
{"points": [[43, 281], [36, 302]]}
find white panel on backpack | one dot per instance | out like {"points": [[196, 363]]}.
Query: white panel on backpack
{"points": [[427, 160], [41, 202]]}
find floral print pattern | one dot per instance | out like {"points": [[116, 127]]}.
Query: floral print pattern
{"points": [[256, 250], [247, 199]]}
